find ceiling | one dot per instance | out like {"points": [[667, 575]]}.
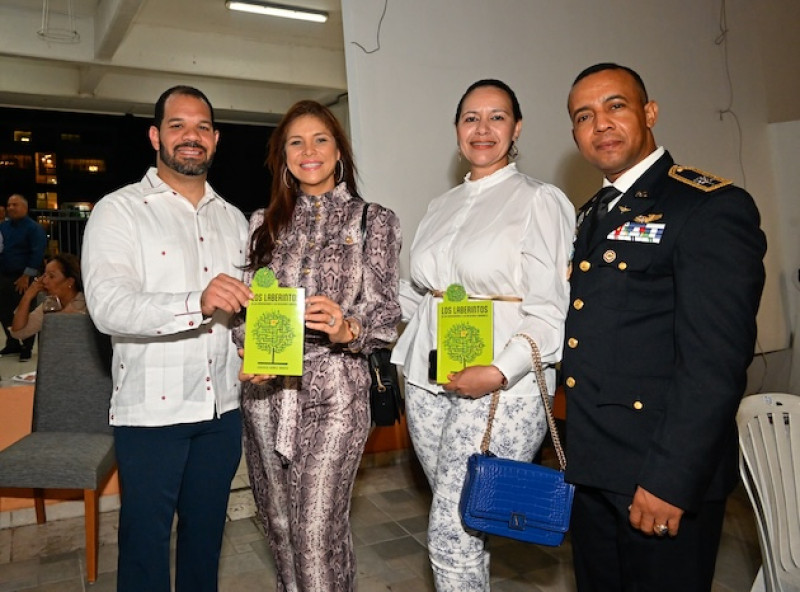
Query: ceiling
{"points": [[252, 67]]}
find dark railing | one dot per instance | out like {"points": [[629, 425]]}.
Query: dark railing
{"points": [[64, 229]]}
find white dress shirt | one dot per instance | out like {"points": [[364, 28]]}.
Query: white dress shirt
{"points": [[147, 256], [626, 180], [503, 235]]}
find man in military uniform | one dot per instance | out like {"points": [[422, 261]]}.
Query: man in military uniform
{"points": [[665, 285]]}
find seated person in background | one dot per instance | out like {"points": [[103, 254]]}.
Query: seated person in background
{"points": [[62, 281]]}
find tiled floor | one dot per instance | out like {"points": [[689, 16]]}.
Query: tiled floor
{"points": [[389, 519], [11, 366]]}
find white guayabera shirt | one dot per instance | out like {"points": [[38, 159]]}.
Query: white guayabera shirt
{"points": [[147, 256]]}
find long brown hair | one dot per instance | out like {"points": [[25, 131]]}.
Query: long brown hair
{"points": [[283, 199]]}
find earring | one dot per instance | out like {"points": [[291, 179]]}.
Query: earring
{"points": [[339, 171], [285, 177], [459, 155], [513, 151]]}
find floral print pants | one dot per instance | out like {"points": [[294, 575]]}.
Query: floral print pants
{"points": [[445, 429]]}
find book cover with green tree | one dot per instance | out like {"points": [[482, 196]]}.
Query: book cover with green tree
{"points": [[275, 330], [464, 334]]}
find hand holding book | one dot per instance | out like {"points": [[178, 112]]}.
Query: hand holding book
{"points": [[275, 329], [325, 315], [475, 381]]}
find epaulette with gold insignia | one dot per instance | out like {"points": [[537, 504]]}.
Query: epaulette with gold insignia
{"points": [[698, 179]]}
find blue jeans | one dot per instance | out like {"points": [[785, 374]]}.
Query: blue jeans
{"points": [[184, 468]]}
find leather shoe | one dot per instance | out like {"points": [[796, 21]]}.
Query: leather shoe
{"points": [[9, 350], [25, 355]]}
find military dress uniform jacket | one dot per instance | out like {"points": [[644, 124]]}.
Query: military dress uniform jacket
{"points": [[659, 335]]}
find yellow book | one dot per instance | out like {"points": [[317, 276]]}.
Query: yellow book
{"points": [[464, 334], [275, 330]]}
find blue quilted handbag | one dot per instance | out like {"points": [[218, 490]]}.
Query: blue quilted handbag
{"points": [[515, 499]]}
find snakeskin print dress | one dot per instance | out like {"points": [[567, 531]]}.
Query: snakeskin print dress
{"points": [[304, 437]]}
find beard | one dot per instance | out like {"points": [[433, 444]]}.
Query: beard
{"points": [[192, 168]]}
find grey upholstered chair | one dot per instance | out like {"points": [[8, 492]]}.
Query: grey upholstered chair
{"points": [[71, 446]]}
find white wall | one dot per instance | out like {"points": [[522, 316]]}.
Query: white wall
{"points": [[786, 141], [403, 96], [779, 27]]}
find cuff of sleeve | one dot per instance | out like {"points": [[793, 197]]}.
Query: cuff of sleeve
{"points": [[675, 491], [514, 361], [193, 303], [192, 314]]}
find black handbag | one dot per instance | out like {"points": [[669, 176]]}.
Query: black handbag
{"points": [[516, 499], [386, 401]]}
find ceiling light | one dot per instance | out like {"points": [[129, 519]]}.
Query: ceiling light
{"points": [[58, 34], [281, 10]]}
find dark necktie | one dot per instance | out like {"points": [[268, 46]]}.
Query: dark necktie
{"points": [[604, 197]]}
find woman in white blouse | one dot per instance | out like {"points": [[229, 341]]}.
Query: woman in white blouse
{"points": [[506, 237]]}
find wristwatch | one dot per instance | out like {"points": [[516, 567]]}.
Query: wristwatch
{"points": [[504, 382], [354, 326]]}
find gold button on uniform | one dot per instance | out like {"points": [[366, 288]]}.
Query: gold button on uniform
{"points": [[306, 271], [584, 265], [609, 256], [638, 405], [578, 304], [572, 342], [622, 266], [570, 382], [348, 240]]}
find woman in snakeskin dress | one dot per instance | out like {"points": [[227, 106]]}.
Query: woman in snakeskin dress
{"points": [[304, 437]]}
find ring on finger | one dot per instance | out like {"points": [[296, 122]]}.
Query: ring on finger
{"points": [[332, 321], [661, 529]]}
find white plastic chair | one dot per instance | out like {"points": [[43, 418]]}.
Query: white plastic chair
{"points": [[769, 441]]}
